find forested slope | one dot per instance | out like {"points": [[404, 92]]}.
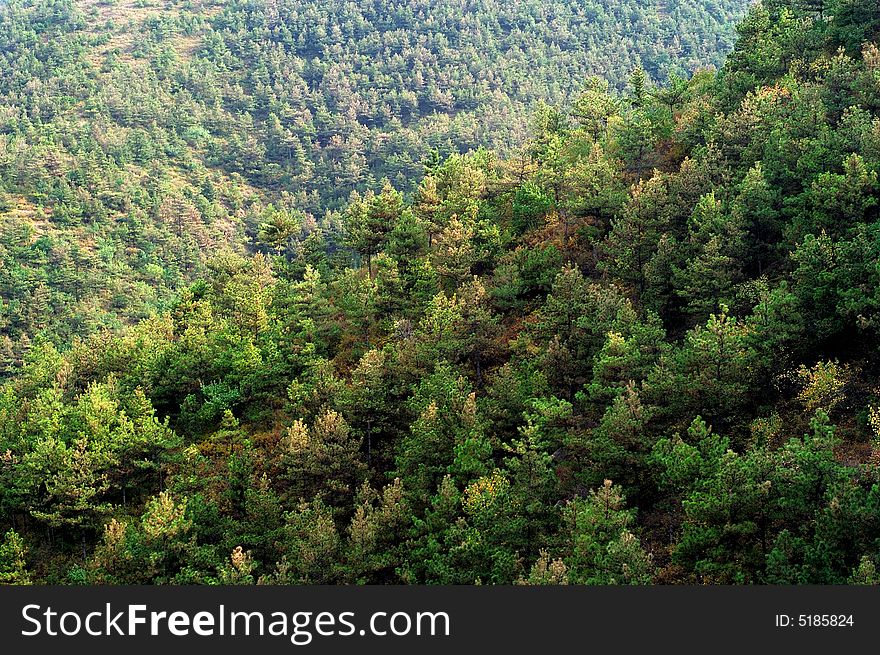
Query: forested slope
{"points": [[640, 349], [138, 135]]}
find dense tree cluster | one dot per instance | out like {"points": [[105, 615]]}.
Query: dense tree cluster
{"points": [[138, 135], [640, 348], [354, 92]]}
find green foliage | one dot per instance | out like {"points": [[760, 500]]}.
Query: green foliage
{"points": [[307, 299], [530, 206], [600, 547], [13, 567]]}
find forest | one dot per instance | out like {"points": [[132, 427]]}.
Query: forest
{"points": [[440, 293], [140, 136]]}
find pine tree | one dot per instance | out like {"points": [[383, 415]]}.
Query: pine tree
{"points": [[13, 566], [634, 235], [599, 546]]}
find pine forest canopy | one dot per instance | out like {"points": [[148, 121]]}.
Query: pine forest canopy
{"points": [[138, 135], [456, 293]]}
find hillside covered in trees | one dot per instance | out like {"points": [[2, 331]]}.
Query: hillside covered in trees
{"points": [[139, 136], [638, 345]]}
